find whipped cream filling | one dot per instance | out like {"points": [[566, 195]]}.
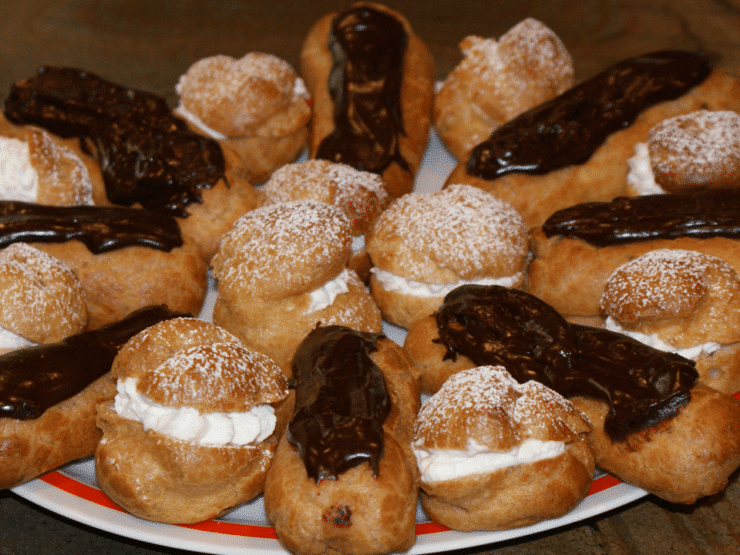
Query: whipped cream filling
{"points": [[188, 424], [358, 244], [13, 341], [399, 284], [655, 342], [299, 90], [437, 465], [324, 296], [641, 176], [18, 179]]}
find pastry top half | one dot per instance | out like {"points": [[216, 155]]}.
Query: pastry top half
{"points": [[282, 250], [41, 299], [459, 233], [189, 362], [499, 79], [685, 298], [256, 95]]}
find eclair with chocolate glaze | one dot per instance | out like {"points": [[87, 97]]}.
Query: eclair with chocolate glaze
{"points": [[344, 479], [577, 248], [124, 258], [574, 148], [654, 426], [48, 395], [371, 82]]}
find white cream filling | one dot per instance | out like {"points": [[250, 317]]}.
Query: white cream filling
{"points": [[641, 176], [18, 179], [437, 465], [358, 244], [399, 284], [324, 296], [655, 342], [10, 340], [188, 424]]}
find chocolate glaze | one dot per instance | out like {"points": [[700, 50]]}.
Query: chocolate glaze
{"points": [[36, 378], [569, 128], [146, 153], [493, 325], [101, 229], [628, 220], [341, 402], [368, 46]]}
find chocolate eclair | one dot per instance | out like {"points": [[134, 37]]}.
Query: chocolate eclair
{"points": [[577, 248], [645, 405], [574, 148], [345, 464], [371, 81], [125, 258]]}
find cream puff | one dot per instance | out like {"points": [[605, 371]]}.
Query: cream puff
{"points": [[688, 153], [41, 299], [424, 245], [255, 105], [681, 301], [282, 270], [495, 454], [193, 426]]}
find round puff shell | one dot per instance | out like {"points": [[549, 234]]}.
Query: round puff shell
{"points": [[685, 297], [459, 233], [696, 150], [282, 250], [41, 299], [362, 195], [189, 362], [235, 96], [487, 405]]}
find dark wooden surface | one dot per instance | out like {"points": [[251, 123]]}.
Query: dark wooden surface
{"points": [[148, 44]]}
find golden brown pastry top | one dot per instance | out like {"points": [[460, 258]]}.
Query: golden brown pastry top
{"points": [[487, 405], [458, 233], [257, 94], [190, 362], [283, 249], [685, 297], [699, 150], [362, 195], [41, 299]]}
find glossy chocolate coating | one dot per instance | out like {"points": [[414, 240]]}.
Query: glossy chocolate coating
{"points": [[36, 378], [101, 229], [569, 128], [368, 46], [628, 220], [146, 153], [493, 325], [341, 402]]}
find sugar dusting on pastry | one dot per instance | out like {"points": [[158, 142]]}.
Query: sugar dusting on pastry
{"points": [[699, 148], [460, 228], [40, 298], [248, 90], [471, 400], [285, 241], [663, 282]]}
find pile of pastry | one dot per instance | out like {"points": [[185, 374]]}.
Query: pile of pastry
{"points": [[570, 295]]}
